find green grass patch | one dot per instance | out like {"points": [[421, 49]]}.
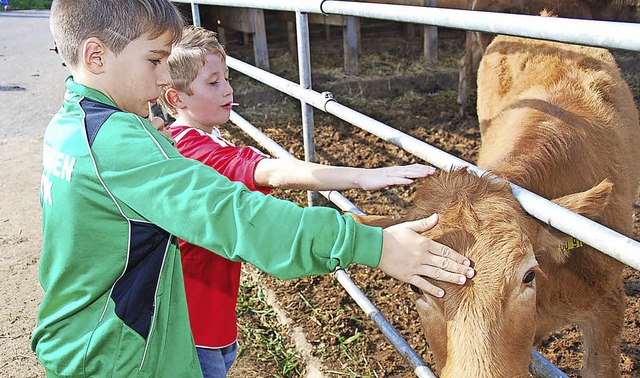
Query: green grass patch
{"points": [[29, 4], [262, 339]]}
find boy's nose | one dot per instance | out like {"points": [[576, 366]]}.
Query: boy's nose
{"points": [[164, 78]]}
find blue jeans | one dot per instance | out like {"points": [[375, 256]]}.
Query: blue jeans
{"points": [[215, 363]]}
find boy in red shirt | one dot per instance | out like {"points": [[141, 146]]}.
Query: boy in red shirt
{"points": [[200, 98]]}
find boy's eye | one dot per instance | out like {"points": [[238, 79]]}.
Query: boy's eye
{"points": [[155, 62]]}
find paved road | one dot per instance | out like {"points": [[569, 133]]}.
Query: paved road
{"points": [[31, 76]]}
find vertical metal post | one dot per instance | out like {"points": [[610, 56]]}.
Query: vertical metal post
{"points": [[304, 69], [195, 13]]}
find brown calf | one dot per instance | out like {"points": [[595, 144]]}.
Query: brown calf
{"points": [[476, 42], [559, 120]]}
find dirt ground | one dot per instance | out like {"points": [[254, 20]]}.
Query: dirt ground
{"points": [[314, 319]]}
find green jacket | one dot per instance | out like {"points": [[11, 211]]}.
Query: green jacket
{"points": [[115, 196]]}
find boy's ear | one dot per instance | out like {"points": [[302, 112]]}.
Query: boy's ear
{"points": [[173, 98], [93, 55]]}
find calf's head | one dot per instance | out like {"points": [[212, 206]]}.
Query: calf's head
{"points": [[486, 327]]}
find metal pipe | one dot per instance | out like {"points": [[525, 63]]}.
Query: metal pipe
{"points": [[195, 13], [618, 35], [276, 150], [539, 366], [583, 32], [304, 70], [401, 345], [608, 241], [308, 6], [354, 291], [542, 368], [600, 237]]}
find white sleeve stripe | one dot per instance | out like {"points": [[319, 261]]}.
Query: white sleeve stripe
{"points": [[182, 134]]}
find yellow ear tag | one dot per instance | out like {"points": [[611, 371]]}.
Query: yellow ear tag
{"points": [[569, 244]]}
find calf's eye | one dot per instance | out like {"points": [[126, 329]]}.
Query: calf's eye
{"points": [[528, 278]]}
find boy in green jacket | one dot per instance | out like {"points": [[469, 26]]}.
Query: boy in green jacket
{"points": [[116, 195]]}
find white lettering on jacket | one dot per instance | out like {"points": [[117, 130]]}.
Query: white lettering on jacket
{"points": [[54, 164]]}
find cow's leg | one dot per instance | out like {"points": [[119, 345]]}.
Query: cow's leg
{"points": [[601, 333]]}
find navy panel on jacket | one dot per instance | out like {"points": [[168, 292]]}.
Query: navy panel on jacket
{"points": [[134, 293], [96, 114]]}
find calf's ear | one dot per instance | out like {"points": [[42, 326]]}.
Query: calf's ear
{"points": [[375, 220], [590, 203]]}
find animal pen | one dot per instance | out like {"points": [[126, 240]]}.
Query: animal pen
{"points": [[593, 33]]}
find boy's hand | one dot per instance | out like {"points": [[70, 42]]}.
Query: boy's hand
{"points": [[378, 178], [409, 257]]}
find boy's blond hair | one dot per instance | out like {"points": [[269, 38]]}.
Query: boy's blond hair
{"points": [[114, 22], [187, 58]]}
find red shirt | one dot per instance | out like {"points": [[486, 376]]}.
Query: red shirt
{"points": [[212, 282]]}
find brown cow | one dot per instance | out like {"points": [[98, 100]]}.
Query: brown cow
{"points": [[476, 42], [559, 120]]}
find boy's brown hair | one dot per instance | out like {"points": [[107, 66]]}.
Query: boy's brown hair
{"points": [[114, 22], [187, 57]]}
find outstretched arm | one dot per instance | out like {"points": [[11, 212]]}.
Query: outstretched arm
{"points": [[296, 174]]}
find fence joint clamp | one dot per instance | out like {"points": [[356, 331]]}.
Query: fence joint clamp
{"points": [[322, 10], [328, 97]]}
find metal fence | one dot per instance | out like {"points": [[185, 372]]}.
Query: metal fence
{"points": [[615, 35]]}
